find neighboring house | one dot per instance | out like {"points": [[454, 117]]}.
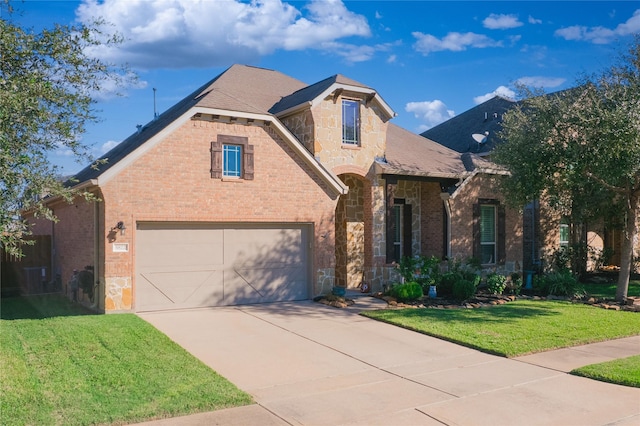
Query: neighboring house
{"points": [[257, 187], [544, 231], [483, 119]]}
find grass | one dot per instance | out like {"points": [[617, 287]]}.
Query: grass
{"points": [[625, 371], [62, 366], [608, 290], [517, 328]]}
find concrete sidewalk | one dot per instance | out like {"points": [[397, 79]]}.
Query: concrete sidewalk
{"points": [[308, 364]]}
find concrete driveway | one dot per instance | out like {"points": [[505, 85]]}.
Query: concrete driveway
{"points": [[309, 364]]}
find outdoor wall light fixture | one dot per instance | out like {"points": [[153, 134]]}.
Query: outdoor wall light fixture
{"points": [[120, 226]]}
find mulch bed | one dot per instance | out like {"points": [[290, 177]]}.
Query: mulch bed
{"points": [[480, 300]]}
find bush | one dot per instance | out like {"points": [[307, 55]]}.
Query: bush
{"points": [[447, 280], [471, 276], [496, 283], [407, 292], [561, 283], [464, 289], [516, 283]]}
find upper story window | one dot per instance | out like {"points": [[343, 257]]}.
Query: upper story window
{"points": [[350, 122], [231, 157], [231, 160]]}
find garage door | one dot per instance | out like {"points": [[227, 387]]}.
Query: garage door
{"points": [[189, 266]]}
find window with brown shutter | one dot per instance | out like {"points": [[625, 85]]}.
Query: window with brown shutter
{"points": [[244, 170]]}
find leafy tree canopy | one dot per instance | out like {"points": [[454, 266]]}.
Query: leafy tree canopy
{"points": [[580, 149], [48, 88]]}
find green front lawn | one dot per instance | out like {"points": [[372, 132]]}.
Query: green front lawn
{"points": [[608, 290], [625, 371], [61, 366], [517, 328]]}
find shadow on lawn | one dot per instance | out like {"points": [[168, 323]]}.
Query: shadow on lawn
{"points": [[40, 307]]}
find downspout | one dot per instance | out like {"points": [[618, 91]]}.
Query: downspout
{"points": [[447, 208], [96, 253]]}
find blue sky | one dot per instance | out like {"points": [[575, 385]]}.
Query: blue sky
{"points": [[429, 60]]}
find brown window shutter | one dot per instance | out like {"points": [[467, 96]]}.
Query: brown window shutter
{"points": [[248, 162], [502, 253], [477, 249], [216, 160]]}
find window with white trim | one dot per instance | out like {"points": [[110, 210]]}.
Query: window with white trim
{"points": [[564, 234], [231, 160], [488, 238], [350, 122]]}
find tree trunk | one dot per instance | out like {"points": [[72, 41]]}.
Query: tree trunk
{"points": [[630, 234]]}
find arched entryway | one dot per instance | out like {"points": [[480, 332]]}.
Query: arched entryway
{"points": [[352, 230]]}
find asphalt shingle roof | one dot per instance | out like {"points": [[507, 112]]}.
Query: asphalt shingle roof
{"points": [[309, 93], [456, 132], [240, 88], [261, 91], [412, 154]]}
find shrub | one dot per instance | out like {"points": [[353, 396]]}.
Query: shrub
{"points": [[540, 285], [561, 283], [427, 267], [471, 276], [496, 283], [447, 280], [463, 289], [564, 284], [407, 292], [516, 283]]}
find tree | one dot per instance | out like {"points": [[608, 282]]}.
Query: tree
{"points": [[580, 149], [48, 89]]}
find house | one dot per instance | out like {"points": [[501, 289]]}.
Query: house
{"points": [[544, 231], [484, 119], [258, 187]]}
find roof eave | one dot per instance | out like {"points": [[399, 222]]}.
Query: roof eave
{"points": [[293, 109], [357, 89], [385, 168]]}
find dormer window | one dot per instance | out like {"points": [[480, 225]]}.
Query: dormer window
{"points": [[350, 122]]}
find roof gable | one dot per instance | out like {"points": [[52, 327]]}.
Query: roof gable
{"points": [[240, 91], [315, 93]]}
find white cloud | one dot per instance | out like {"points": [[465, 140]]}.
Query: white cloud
{"points": [[601, 35], [455, 42], [187, 33], [353, 53], [431, 112], [107, 146], [392, 59], [501, 22], [534, 21], [501, 91], [541, 82]]}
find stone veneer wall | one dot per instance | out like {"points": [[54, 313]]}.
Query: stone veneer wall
{"points": [[410, 191], [328, 147]]}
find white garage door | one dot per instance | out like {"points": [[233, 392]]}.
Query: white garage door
{"points": [[186, 266]]}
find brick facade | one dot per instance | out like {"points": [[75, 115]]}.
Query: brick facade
{"points": [[483, 187], [168, 178]]}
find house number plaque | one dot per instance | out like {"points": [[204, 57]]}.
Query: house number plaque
{"points": [[120, 247]]}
